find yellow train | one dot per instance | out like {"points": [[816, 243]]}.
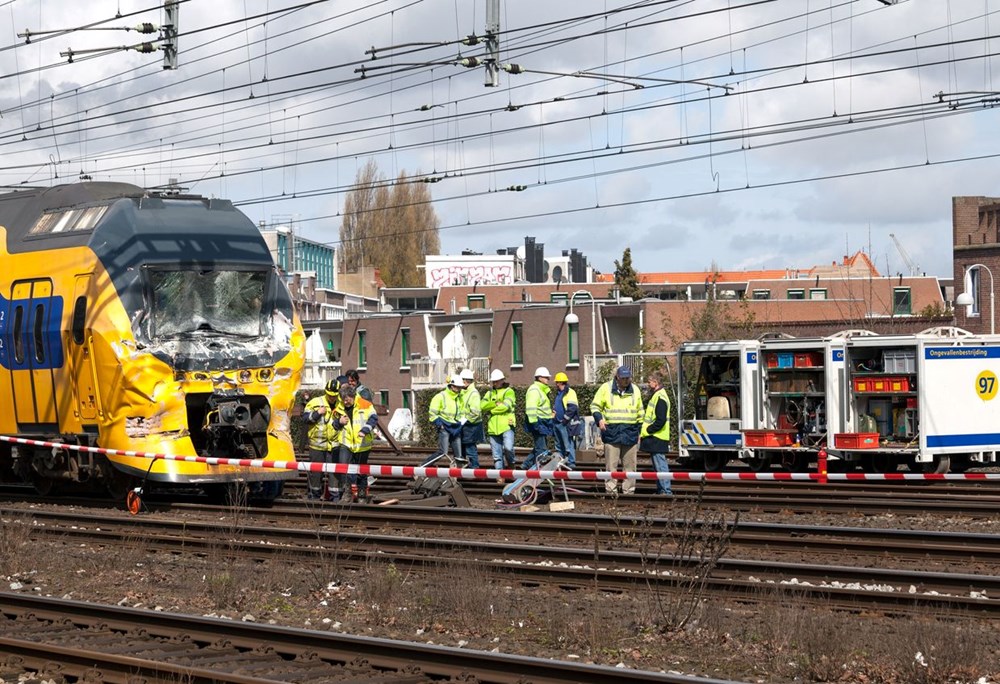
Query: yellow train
{"points": [[139, 321]]}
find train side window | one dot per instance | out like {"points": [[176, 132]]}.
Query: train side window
{"points": [[18, 340], [79, 317], [38, 330]]}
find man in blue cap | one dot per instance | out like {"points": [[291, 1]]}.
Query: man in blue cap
{"points": [[617, 409]]}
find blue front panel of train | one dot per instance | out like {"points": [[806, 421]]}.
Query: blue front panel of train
{"points": [[51, 338]]}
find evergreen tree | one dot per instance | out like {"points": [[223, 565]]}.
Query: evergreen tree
{"points": [[626, 279]]}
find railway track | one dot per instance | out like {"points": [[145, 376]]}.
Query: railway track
{"points": [[98, 643], [889, 589], [771, 497]]}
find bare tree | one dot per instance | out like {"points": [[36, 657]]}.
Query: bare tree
{"points": [[388, 226]]}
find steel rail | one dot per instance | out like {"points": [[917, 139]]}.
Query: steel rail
{"points": [[916, 544], [908, 590], [389, 660]]}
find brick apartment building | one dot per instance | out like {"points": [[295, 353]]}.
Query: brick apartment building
{"points": [[976, 240]]}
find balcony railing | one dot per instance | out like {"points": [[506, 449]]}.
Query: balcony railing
{"points": [[435, 372], [602, 367], [316, 375]]}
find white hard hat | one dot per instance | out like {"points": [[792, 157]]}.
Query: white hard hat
{"points": [[497, 374], [542, 372], [457, 381], [467, 374]]}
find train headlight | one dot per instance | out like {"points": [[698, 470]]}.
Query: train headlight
{"points": [[264, 374], [245, 376]]}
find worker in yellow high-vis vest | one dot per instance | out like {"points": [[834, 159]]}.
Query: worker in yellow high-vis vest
{"points": [[655, 435], [617, 409], [538, 415], [355, 424], [319, 415]]}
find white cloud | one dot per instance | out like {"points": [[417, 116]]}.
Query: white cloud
{"points": [[606, 165]]}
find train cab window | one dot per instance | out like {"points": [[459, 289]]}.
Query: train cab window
{"points": [[39, 340], [67, 220], [18, 340], [79, 318]]}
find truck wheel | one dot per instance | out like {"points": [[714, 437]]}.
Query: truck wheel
{"points": [[715, 461]]}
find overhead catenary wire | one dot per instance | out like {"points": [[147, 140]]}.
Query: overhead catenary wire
{"points": [[72, 125]]}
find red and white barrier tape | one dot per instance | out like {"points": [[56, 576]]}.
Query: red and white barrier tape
{"points": [[493, 473]]}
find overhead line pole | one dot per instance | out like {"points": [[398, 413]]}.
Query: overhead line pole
{"points": [[492, 43]]}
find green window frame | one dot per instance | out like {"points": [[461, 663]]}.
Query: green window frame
{"points": [[573, 335], [558, 297], [760, 294], [383, 397], [817, 293], [406, 399], [404, 347], [475, 301], [796, 294], [902, 301], [362, 350], [516, 342]]}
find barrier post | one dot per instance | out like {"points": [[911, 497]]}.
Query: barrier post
{"points": [[821, 465]]}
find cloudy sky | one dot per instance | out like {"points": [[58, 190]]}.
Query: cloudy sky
{"points": [[739, 134]]}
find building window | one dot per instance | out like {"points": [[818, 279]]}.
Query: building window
{"points": [[516, 340], [362, 350], [558, 297], [902, 303], [573, 333], [817, 293], [796, 294], [476, 301], [406, 399], [404, 347], [383, 397], [761, 294]]}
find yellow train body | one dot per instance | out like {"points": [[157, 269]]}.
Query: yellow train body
{"points": [[141, 323]]}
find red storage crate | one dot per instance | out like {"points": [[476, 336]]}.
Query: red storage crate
{"points": [[768, 438], [865, 385], [898, 384], [856, 440], [808, 359]]}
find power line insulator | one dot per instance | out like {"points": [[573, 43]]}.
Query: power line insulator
{"points": [[147, 27], [471, 39], [145, 48], [513, 68], [470, 62]]}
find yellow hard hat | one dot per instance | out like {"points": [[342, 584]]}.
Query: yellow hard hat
{"points": [[561, 377]]}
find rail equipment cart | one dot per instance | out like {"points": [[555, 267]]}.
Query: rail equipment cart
{"points": [[927, 401]]}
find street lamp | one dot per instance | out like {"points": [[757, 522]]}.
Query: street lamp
{"points": [[965, 299], [573, 319]]}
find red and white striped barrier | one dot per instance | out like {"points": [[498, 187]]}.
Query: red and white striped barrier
{"points": [[493, 473]]}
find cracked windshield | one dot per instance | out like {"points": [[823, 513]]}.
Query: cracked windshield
{"points": [[227, 302]]}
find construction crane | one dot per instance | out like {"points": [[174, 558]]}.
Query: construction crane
{"points": [[914, 268]]}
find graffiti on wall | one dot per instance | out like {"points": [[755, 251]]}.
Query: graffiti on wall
{"points": [[470, 275]]}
